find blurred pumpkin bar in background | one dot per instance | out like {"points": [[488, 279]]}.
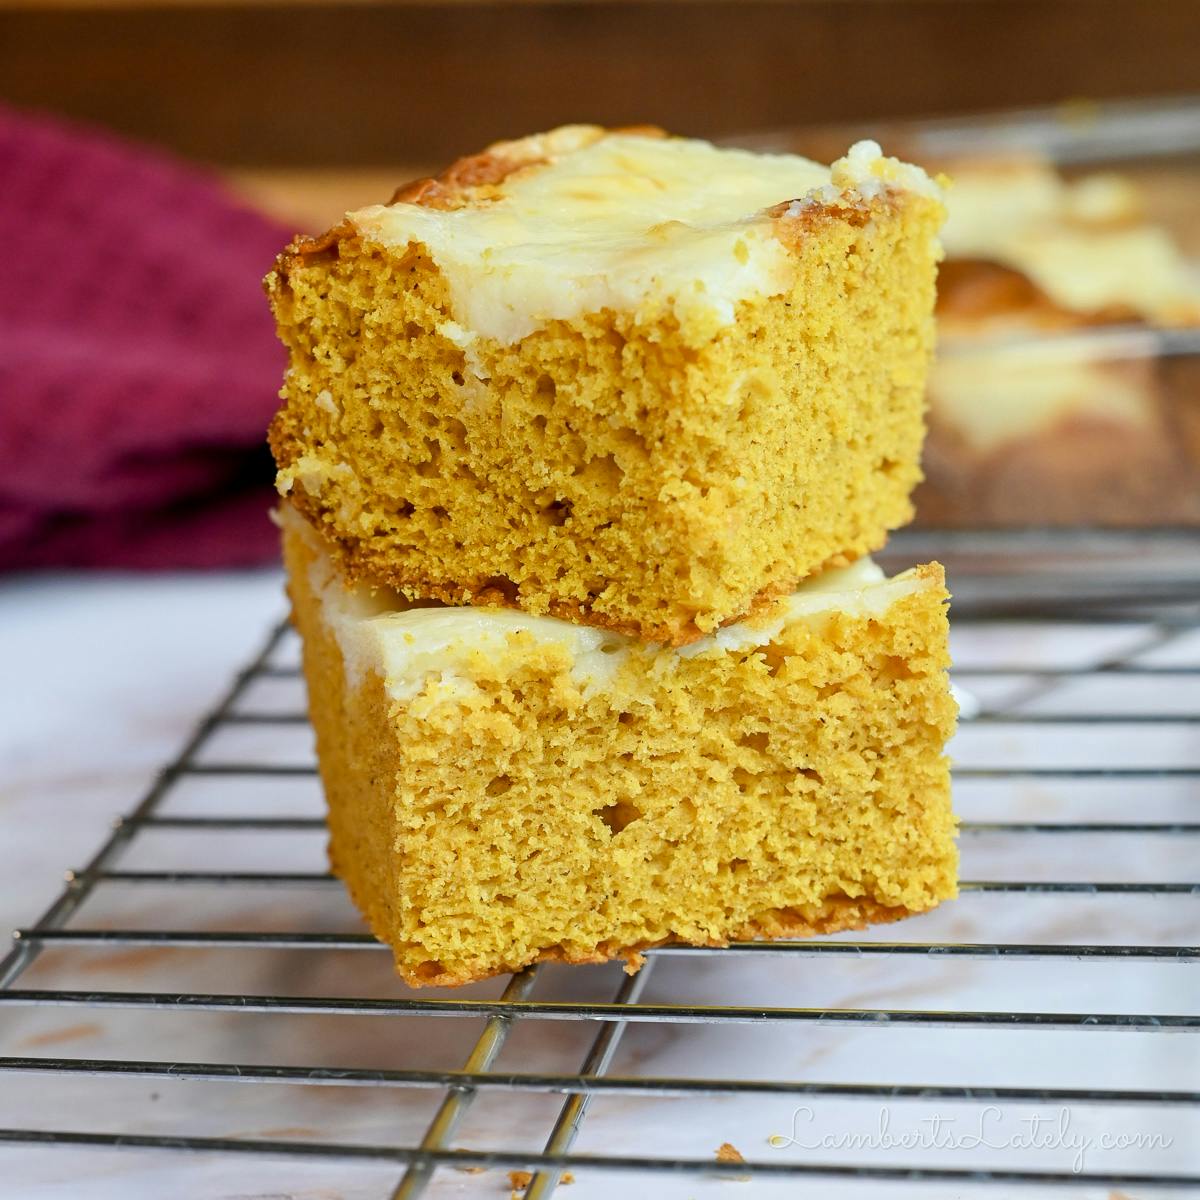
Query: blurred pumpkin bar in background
{"points": [[1067, 384], [1066, 389]]}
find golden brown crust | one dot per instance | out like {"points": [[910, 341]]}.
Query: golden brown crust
{"points": [[451, 188], [795, 222], [303, 250], [840, 914], [454, 186]]}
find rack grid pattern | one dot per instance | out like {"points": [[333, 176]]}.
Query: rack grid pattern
{"points": [[61, 928]]}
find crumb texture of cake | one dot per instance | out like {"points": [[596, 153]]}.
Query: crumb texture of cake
{"points": [[619, 378], [506, 788]]}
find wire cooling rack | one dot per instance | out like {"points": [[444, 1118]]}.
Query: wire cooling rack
{"points": [[1030, 1037]]}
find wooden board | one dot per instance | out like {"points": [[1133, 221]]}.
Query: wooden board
{"points": [[283, 84]]}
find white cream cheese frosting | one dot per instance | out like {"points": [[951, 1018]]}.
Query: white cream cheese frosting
{"points": [[411, 648], [625, 222]]}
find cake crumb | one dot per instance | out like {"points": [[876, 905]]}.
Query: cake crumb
{"points": [[471, 1170], [520, 1180], [728, 1153]]}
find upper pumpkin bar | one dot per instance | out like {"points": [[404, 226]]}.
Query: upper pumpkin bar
{"points": [[630, 380]]}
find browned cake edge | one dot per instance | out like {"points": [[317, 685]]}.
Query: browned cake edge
{"points": [[837, 914], [498, 592]]}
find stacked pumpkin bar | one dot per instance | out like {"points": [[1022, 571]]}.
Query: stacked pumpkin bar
{"points": [[583, 447]]}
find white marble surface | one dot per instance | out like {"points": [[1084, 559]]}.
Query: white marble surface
{"points": [[106, 676]]}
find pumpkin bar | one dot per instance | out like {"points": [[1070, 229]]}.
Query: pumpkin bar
{"points": [[505, 788], [623, 379]]}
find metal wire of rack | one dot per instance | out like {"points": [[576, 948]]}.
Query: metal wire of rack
{"points": [[1021, 710]]}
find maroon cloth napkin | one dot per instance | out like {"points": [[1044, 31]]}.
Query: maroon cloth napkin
{"points": [[138, 362]]}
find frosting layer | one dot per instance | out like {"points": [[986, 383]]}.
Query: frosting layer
{"points": [[623, 221], [410, 647]]}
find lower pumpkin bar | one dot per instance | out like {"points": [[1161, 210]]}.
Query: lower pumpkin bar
{"points": [[506, 788]]}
